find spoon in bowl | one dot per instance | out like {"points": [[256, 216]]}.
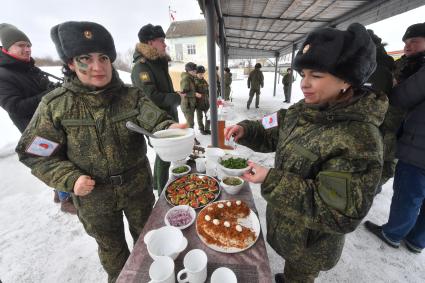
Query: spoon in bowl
{"points": [[133, 127]]}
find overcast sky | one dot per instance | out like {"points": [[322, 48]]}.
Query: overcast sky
{"points": [[124, 18]]}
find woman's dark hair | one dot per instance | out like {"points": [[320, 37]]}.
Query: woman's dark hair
{"points": [[67, 72]]}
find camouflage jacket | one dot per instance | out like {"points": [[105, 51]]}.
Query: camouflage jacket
{"points": [[256, 79], [88, 127], [150, 74], [328, 163], [286, 80], [187, 85], [201, 86], [227, 79]]}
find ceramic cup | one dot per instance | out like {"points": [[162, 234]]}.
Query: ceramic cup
{"points": [[162, 270], [200, 164], [195, 267], [223, 274], [211, 168]]}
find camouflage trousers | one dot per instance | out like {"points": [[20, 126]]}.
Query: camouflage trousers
{"points": [[227, 93], [101, 213], [253, 92], [189, 114], [200, 117], [306, 252], [160, 174], [286, 93]]}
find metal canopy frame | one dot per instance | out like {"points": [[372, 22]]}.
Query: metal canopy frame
{"points": [[273, 28]]}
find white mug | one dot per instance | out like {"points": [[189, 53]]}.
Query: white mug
{"points": [[200, 164], [195, 267], [162, 270], [223, 274]]}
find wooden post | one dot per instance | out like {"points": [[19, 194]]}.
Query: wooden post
{"points": [[220, 129]]}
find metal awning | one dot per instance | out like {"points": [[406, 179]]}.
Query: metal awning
{"points": [[272, 28]]}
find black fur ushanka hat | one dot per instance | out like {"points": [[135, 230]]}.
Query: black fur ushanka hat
{"points": [[76, 38], [150, 32], [416, 30], [349, 55]]}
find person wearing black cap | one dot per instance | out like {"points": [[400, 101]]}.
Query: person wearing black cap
{"points": [[187, 85], [22, 85], [227, 83], [203, 103], [328, 150], [255, 83], [406, 221], [78, 142], [150, 74]]}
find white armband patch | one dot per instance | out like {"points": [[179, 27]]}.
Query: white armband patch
{"points": [[42, 147], [269, 121]]}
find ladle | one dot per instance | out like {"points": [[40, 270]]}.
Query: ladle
{"points": [[133, 127]]}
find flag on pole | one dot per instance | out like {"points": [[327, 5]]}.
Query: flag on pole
{"points": [[172, 14]]}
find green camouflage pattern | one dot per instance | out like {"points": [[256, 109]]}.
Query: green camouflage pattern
{"points": [[227, 84], [252, 92], [202, 104], [89, 126], [188, 105], [255, 79], [328, 164]]}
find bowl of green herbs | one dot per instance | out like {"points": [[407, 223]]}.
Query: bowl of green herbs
{"points": [[180, 170], [233, 165]]}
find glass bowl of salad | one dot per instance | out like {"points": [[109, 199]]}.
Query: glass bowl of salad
{"points": [[180, 170], [233, 165], [232, 184]]}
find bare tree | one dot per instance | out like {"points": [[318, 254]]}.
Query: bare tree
{"points": [[124, 61]]}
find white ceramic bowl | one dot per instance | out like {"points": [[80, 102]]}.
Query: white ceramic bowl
{"points": [[165, 241], [231, 189], [174, 144], [188, 169], [229, 171], [177, 215], [223, 274]]}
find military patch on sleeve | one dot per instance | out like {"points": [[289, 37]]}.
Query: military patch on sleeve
{"points": [[269, 121], [149, 115], [144, 77], [42, 147]]}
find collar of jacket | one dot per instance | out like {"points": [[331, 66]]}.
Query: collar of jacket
{"points": [[365, 106], [96, 96], [146, 52], [11, 62]]}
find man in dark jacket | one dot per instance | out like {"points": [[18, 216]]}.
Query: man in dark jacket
{"points": [[22, 85], [150, 74], [255, 83], [407, 213]]}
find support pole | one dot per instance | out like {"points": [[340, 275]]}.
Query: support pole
{"points": [[275, 73], [294, 46], [210, 21], [222, 63]]}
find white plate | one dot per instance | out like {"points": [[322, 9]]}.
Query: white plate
{"points": [[251, 221]]}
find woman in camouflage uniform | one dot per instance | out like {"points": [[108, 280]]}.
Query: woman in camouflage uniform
{"points": [[203, 103], [77, 141], [328, 153]]}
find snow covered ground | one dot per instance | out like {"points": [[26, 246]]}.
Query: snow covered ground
{"points": [[38, 243]]}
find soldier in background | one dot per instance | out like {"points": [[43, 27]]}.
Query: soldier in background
{"points": [[217, 78], [77, 141], [203, 103], [287, 80], [22, 85], [150, 74], [328, 153], [187, 85], [227, 83], [255, 83]]}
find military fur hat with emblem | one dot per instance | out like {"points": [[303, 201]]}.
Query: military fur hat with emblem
{"points": [[349, 55], [76, 38], [150, 32], [416, 30]]}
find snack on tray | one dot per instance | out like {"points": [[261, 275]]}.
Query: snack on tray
{"points": [[219, 224]]}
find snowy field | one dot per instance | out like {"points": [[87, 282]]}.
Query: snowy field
{"points": [[38, 243]]}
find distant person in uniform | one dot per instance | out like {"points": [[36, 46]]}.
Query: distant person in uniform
{"points": [[227, 83], [187, 85], [328, 153], [406, 221], [287, 81], [150, 74], [255, 83], [77, 141], [217, 78], [22, 85], [203, 103]]}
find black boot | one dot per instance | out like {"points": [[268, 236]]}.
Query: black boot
{"points": [[203, 132], [377, 230], [278, 277], [197, 142]]}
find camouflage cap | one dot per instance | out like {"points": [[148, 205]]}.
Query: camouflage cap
{"points": [[76, 38], [190, 66]]}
